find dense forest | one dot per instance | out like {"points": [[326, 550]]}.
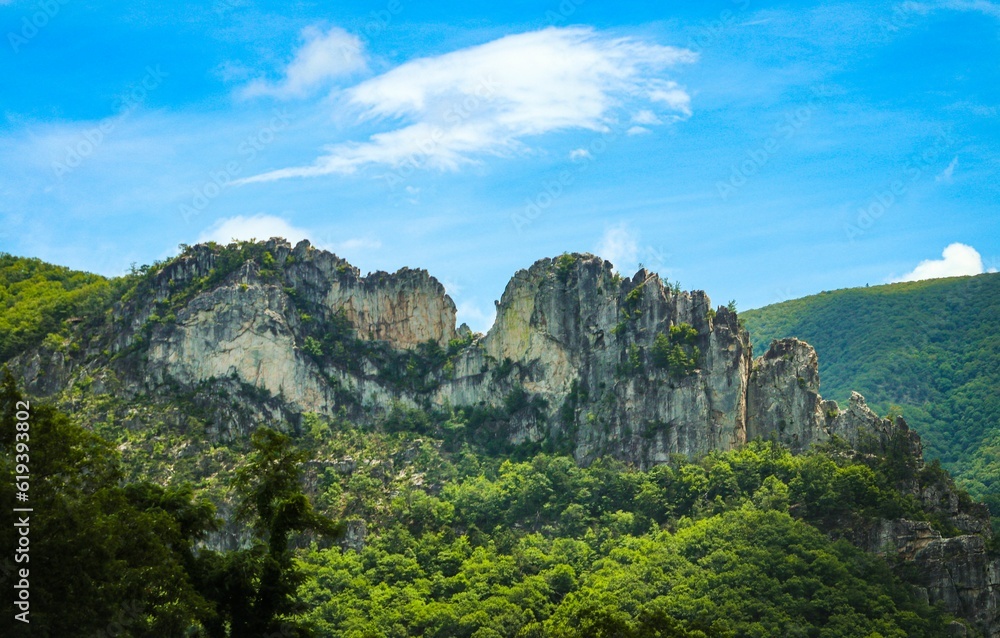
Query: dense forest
{"points": [[151, 521], [745, 543], [929, 349]]}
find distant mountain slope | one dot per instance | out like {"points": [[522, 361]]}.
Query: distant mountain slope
{"points": [[931, 347], [36, 298]]}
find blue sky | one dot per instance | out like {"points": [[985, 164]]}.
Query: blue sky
{"points": [[759, 151]]}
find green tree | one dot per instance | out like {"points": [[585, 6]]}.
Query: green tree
{"points": [[255, 587], [102, 553]]}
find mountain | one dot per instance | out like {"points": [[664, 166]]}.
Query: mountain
{"points": [[597, 404], [574, 346], [931, 348]]}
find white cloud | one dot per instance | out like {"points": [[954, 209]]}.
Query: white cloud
{"points": [[638, 130], [259, 227], [945, 176], [447, 111], [321, 58], [645, 116], [580, 154], [976, 6], [957, 260], [356, 244], [620, 246], [478, 319], [262, 227]]}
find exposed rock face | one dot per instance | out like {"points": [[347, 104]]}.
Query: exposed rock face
{"points": [[783, 395], [404, 308], [582, 337], [579, 356], [240, 329], [589, 347], [956, 572]]}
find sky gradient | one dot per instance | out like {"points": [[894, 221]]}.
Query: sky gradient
{"points": [[759, 151]]}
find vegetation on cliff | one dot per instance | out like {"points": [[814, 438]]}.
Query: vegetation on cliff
{"points": [[464, 543], [931, 348], [454, 526]]}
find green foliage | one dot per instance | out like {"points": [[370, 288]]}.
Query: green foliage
{"points": [[37, 299], [630, 307], [255, 588], [101, 549], [463, 542], [930, 347], [677, 352], [564, 266], [469, 535], [632, 363], [503, 370], [723, 547], [313, 347]]}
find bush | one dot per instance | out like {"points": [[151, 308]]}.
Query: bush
{"points": [[677, 352]]}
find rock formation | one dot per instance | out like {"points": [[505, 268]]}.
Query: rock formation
{"points": [[603, 364]]}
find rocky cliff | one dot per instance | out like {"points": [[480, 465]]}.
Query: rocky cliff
{"points": [[627, 367], [579, 359]]}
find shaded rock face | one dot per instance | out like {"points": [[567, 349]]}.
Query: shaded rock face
{"points": [[581, 337], [587, 346], [783, 395], [584, 339], [956, 572]]}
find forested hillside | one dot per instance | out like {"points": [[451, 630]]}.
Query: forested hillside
{"points": [[445, 485], [460, 543], [932, 348], [37, 299]]}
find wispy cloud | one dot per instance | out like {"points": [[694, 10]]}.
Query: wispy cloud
{"points": [[956, 260], [620, 246], [258, 227], [645, 116], [322, 58], [947, 175], [447, 111], [978, 6], [471, 313]]}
